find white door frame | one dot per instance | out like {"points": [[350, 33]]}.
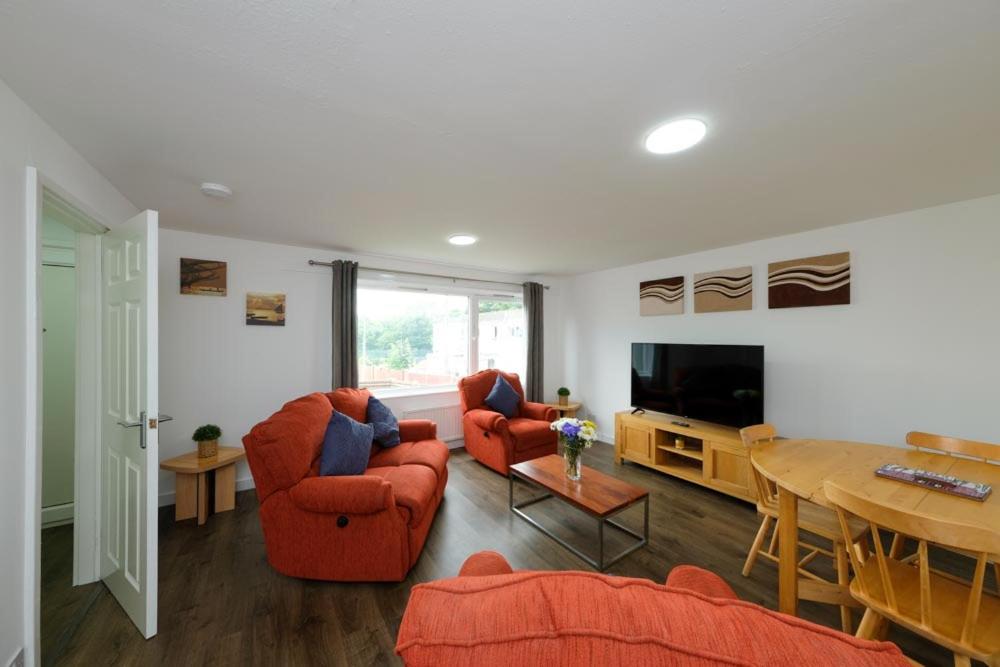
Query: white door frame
{"points": [[86, 503]]}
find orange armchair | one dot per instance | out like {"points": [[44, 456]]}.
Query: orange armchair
{"points": [[496, 441]]}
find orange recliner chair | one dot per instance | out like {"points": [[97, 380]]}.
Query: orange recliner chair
{"points": [[496, 441], [368, 527]]}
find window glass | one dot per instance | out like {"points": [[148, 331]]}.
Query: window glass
{"points": [[502, 335], [411, 339]]}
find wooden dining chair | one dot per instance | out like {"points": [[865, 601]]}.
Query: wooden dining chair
{"points": [[812, 519], [985, 452], [953, 612]]}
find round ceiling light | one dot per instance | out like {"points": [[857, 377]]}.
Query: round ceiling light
{"points": [[462, 239], [675, 136], [216, 190]]}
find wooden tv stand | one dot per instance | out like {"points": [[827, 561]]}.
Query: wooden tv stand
{"points": [[713, 455]]}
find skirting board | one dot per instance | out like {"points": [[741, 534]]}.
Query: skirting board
{"points": [[246, 483], [57, 515]]}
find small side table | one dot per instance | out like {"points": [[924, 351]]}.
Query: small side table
{"points": [[192, 482], [568, 410]]}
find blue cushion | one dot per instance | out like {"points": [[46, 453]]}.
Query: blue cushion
{"points": [[346, 446], [385, 423], [503, 398]]}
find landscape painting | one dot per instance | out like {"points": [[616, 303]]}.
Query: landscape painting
{"points": [[661, 297], [266, 309], [204, 277], [811, 281], [722, 291]]}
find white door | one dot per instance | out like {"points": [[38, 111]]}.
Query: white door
{"points": [[129, 407]]}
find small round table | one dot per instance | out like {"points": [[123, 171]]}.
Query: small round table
{"points": [[799, 468], [567, 410], [191, 497]]}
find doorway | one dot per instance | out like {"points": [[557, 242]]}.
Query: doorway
{"points": [[69, 469], [115, 426]]}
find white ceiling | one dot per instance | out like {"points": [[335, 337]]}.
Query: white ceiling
{"points": [[385, 126]]}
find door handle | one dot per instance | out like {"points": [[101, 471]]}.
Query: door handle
{"points": [[142, 430], [153, 423]]}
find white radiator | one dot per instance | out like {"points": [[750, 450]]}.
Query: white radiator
{"points": [[447, 418]]}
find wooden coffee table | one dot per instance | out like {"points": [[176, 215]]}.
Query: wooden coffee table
{"points": [[596, 494]]}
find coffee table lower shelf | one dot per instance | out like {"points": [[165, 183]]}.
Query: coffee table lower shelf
{"points": [[600, 564]]}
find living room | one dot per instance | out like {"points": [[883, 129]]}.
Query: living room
{"points": [[512, 247]]}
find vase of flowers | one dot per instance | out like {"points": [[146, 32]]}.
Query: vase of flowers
{"points": [[575, 435]]}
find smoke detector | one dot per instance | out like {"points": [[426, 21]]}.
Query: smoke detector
{"points": [[216, 191]]}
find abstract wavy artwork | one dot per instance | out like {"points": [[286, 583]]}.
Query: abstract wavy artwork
{"points": [[810, 281], [721, 291], [661, 297]]}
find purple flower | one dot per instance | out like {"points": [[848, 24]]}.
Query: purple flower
{"points": [[571, 430]]}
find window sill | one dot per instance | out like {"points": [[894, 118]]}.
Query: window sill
{"points": [[401, 392]]}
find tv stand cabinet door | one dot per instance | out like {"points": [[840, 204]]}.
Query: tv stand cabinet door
{"points": [[727, 469], [635, 441]]}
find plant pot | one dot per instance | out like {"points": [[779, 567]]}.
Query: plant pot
{"points": [[564, 400], [208, 448]]}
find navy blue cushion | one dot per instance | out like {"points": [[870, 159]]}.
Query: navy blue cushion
{"points": [[385, 423], [346, 446], [503, 398]]}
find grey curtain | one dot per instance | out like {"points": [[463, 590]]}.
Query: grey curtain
{"points": [[535, 378], [345, 324]]}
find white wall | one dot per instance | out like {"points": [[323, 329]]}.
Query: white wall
{"points": [[26, 140], [216, 369], [916, 349]]}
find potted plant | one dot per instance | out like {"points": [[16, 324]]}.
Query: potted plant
{"points": [[575, 435], [563, 396], [207, 437]]}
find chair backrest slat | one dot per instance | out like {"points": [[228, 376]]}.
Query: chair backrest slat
{"points": [[975, 600], [924, 563], [767, 494], [883, 568], [983, 451]]}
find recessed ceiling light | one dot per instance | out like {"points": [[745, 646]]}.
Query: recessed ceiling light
{"points": [[675, 136], [216, 190], [462, 239]]}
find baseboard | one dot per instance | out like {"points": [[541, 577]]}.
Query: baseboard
{"points": [[57, 515]]}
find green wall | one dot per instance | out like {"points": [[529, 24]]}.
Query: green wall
{"points": [[58, 367]]}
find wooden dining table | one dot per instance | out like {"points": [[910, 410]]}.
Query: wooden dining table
{"points": [[800, 467]]}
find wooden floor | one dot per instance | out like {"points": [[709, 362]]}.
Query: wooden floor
{"points": [[220, 603]]}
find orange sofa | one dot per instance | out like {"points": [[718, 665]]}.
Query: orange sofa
{"points": [[368, 527], [490, 615], [496, 441]]}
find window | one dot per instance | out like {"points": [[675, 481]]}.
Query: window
{"points": [[412, 339]]}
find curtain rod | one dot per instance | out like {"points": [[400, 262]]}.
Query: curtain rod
{"points": [[313, 262]]}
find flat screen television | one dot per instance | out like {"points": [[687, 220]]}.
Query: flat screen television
{"points": [[722, 384]]}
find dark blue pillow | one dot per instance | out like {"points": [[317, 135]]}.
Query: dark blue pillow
{"points": [[504, 398], [385, 423], [346, 446]]}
